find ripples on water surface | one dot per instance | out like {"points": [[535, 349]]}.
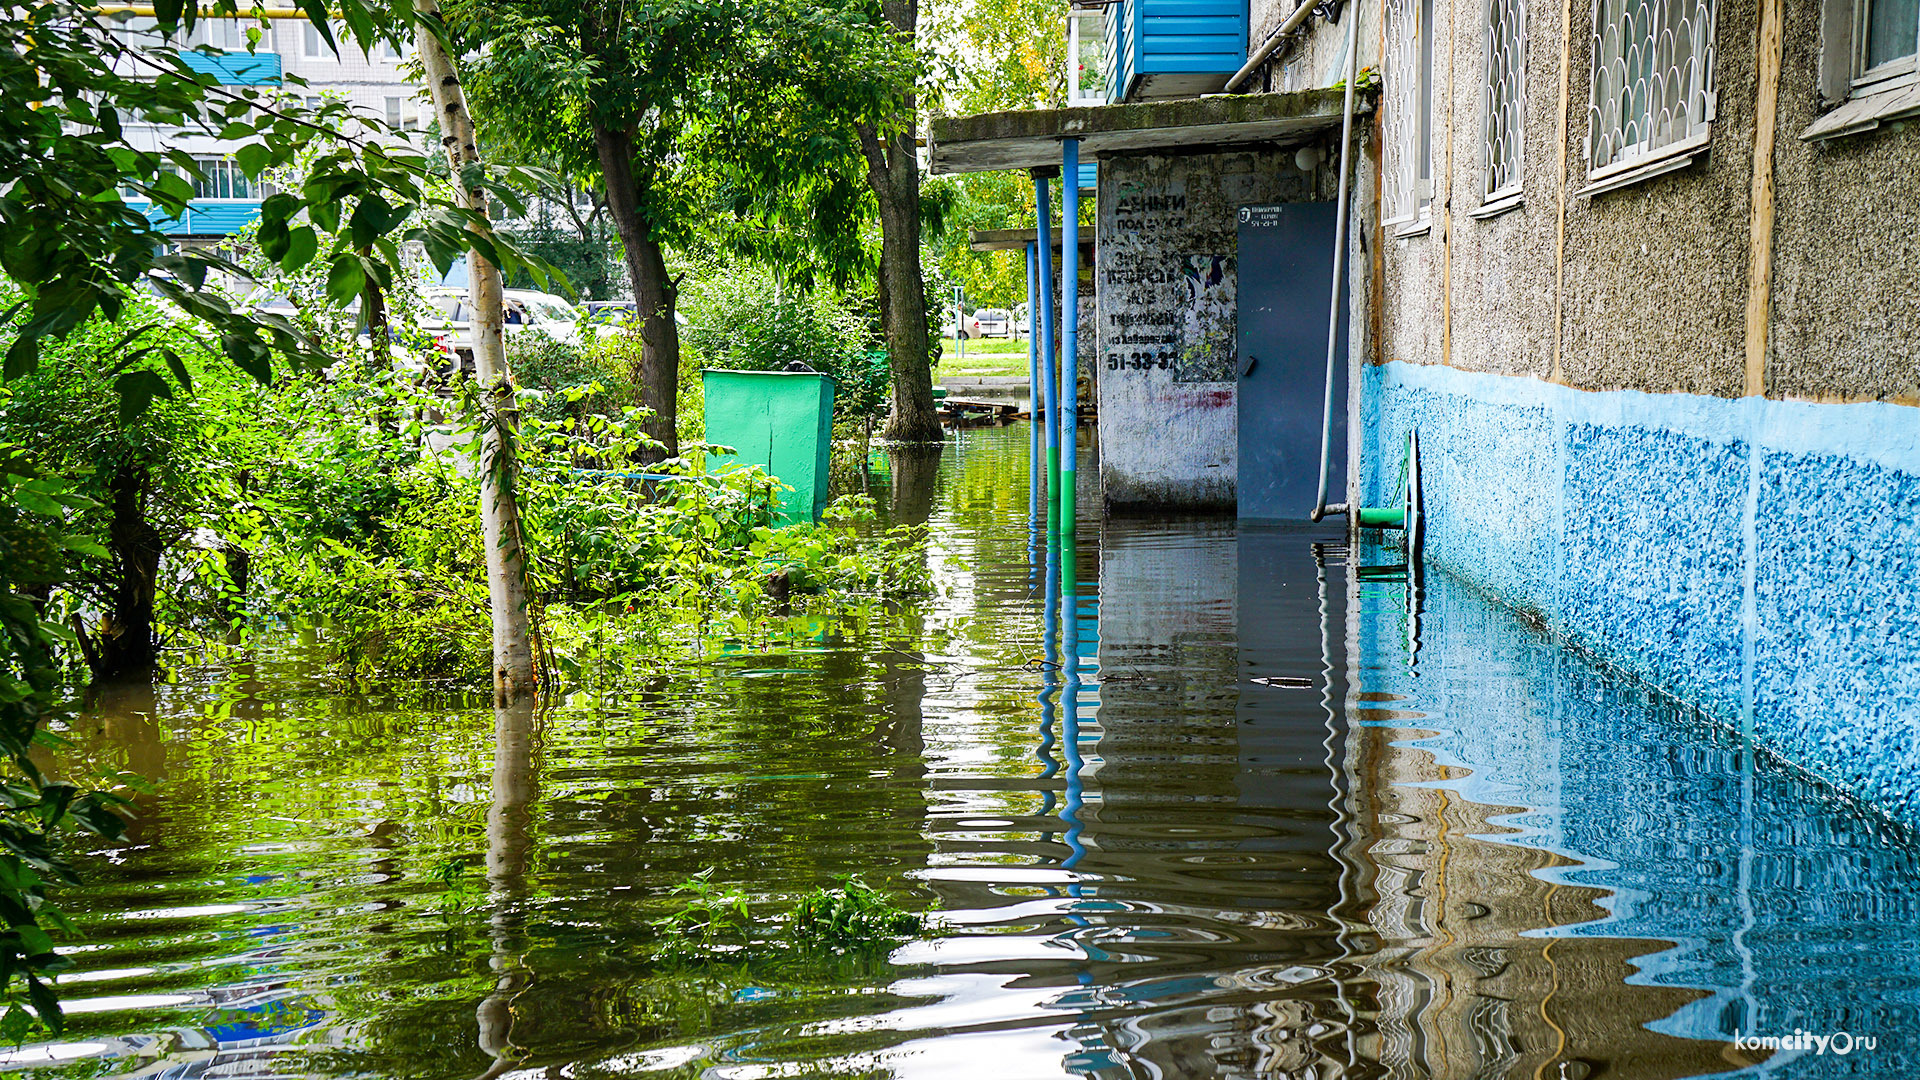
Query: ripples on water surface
{"points": [[1429, 844]]}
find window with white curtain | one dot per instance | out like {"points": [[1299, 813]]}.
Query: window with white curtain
{"points": [[227, 35], [1504, 137], [315, 45], [1653, 90], [1407, 112]]}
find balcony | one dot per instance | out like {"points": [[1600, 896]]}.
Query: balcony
{"points": [[205, 219], [1162, 49], [236, 68]]}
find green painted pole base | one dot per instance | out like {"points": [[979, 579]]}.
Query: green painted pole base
{"points": [[1053, 489], [1381, 517], [1069, 501]]}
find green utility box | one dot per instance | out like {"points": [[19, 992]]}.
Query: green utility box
{"points": [[781, 421]]}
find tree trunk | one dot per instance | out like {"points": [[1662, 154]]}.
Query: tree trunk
{"points": [[894, 174], [507, 591], [654, 293], [126, 648]]}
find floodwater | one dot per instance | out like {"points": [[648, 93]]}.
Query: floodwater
{"points": [[1269, 811]]}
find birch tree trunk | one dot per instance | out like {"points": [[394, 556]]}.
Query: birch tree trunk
{"points": [[513, 672]]}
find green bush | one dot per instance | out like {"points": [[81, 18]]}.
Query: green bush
{"points": [[560, 380], [740, 319]]}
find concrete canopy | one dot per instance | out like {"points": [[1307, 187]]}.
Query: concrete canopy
{"points": [[1031, 138]]}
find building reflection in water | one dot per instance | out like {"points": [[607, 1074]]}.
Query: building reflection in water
{"points": [[1452, 848]]}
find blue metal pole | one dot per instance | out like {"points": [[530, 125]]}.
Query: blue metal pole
{"points": [[1044, 240], [1070, 316], [1036, 476]]}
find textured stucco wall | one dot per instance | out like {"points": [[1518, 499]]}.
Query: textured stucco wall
{"points": [[1167, 423], [1846, 287], [1645, 287], [1755, 558]]}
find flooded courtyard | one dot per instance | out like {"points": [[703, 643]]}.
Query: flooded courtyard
{"points": [[1185, 799]]}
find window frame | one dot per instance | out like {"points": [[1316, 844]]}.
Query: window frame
{"points": [[1891, 75], [222, 169], [313, 46]]}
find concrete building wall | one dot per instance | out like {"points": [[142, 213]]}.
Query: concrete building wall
{"points": [[1166, 293], [1704, 475]]}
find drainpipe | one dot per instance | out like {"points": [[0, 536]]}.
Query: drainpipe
{"points": [[1341, 214], [1271, 45], [1036, 481], [1070, 333], [1044, 236]]}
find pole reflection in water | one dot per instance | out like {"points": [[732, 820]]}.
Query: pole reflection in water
{"points": [[1068, 634]]}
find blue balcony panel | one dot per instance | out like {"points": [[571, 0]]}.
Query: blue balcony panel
{"points": [[1173, 48], [236, 69], [204, 219]]}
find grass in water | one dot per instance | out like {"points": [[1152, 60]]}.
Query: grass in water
{"points": [[855, 915]]}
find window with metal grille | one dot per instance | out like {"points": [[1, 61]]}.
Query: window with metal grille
{"points": [[222, 180], [1653, 86], [1503, 141], [1407, 112]]}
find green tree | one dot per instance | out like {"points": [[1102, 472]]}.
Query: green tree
{"points": [[689, 114], [153, 477]]}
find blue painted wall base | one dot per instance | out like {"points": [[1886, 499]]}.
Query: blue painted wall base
{"points": [[1759, 559]]}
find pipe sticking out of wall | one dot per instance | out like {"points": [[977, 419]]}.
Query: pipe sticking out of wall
{"points": [[1270, 46], [1340, 215]]}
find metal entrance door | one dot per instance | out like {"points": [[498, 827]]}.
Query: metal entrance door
{"points": [[1286, 268]]}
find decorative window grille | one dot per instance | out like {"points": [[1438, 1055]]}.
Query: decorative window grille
{"points": [[1506, 96], [1653, 88], [223, 180], [1407, 111]]}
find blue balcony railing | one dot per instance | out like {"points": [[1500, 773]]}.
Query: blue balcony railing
{"points": [[204, 218], [1173, 48], [236, 69]]}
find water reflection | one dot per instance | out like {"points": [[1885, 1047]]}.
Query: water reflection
{"points": [[516, 785], [1195, 801]]}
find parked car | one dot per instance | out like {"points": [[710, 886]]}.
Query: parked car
{"points": [[610, 312], [968, 329], [525, 309], [994, 322]]}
